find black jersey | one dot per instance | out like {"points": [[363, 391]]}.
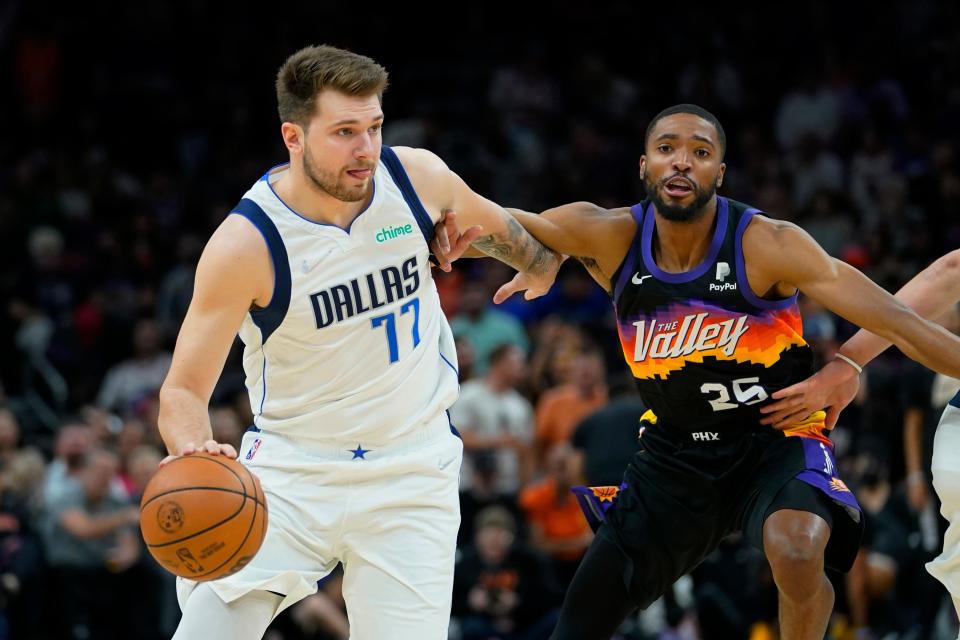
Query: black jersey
{"points": [[704, 349]]}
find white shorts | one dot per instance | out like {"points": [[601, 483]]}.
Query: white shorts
{"points": [[946, 482], [390, 514]]}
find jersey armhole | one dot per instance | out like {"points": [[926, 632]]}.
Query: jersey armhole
{"points": [[745, 290], [400, 178], [268, 318], [619, 278]]}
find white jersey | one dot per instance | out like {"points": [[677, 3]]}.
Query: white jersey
{"points": [[353, 346]]}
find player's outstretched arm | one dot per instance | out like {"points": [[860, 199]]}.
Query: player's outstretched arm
{"points": [[596, 237], [781, 254], [500, 237], [930, 293], [234, 273]]}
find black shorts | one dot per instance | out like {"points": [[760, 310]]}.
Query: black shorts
{"points": [[683, 497]]}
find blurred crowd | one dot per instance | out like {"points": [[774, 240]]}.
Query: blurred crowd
{"points": [[128, 132]]}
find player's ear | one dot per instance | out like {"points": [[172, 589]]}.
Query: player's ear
{"points": [[720, 174], [643, 166], [293, 135]]}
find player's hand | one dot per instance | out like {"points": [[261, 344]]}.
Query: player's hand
{"points": [[443, 232], [532, 285], [831, 389], [210, 446]]}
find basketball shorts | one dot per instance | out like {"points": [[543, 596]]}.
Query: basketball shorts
{"points": [[946, 482], [389, 513], [680, 497]]}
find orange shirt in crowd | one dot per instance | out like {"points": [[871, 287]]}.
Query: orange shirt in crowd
{"points": [[560, 410], [558, 520]]}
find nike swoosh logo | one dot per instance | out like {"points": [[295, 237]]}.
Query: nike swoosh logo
{"points": [[444, 465], [638, 279], [307, 267]]}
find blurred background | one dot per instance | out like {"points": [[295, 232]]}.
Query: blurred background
{"points": [[128, 131]]}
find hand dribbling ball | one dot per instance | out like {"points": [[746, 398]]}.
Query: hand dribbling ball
{"points": [[203, 517]]}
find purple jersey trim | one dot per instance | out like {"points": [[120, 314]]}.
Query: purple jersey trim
{"points": [[686, 276], [745, 289], [630, 260]]}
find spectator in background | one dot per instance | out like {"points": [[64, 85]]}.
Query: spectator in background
{"points": [[607, 439], [885, 552], [557, 526], [22, 577], [226, 426], [494, 419], [466, 359], [176, 289], [9, 436], [483, 493], [485, 328], [831, 227], [138, 376], [72, 444], [810, 110], [814, 169], [91, 543], [141, 464], [557, 345], [322, 616], [561, 409], [501, 589]]}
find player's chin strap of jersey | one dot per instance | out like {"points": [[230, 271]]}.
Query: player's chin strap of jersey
{"points": [[596, 501]]}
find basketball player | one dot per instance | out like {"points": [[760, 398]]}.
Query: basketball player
{"points": [[323, 269], [931, 293], [705, 294]]}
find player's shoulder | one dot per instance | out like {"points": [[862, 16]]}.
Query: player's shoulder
{"points": [[236, 257], [420, 161], [766, 234], [236, 234]]}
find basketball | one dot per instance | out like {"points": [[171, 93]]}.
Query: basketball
{"points": [[203, 517]]}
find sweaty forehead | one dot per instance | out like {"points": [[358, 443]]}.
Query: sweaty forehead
{"points": [[684, 126]]}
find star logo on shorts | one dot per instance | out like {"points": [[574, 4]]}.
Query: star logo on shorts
{"points": [[359, 452]]}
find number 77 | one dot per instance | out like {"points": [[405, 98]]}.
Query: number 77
{"points": [[389, 321]]}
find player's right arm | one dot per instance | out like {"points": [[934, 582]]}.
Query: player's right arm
{"points": [[234, 274], [596, 237]]}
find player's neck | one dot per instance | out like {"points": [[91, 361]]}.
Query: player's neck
{"points": [[311, 202], [681, 246]]}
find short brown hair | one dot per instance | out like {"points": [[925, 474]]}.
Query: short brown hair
{"points": [[312, 69]]}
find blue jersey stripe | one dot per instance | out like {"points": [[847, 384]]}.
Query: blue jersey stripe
{"points": [[389, 158], [269, 318]]}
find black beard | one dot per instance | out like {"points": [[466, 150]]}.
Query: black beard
{"points": [[676, 212]]}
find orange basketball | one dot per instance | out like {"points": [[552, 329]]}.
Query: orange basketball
{"points": [[203, 517]]}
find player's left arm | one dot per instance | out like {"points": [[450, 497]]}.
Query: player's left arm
{"points": [[930, 293], [501, 236], [781, 255]]}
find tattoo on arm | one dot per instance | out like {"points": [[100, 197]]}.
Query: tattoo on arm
{"points": [[515, 247], [593, 268]]}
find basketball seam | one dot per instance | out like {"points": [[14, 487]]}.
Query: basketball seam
{"points": [[210, 528], [166, 493], [239, 546]]}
